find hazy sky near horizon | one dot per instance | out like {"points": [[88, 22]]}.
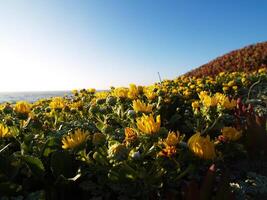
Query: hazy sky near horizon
{"points": [[67, 44]]}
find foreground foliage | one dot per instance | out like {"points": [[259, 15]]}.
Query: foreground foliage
{"points": [[188, 138]]}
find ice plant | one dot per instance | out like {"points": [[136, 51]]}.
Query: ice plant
{"points": [[23, 107], [209, 101], [231, 133], [130, 135], [91, 90], [148, 125], [172, 139], [118, 152], [195, 105], [121, 92], [133, 91], [99, 139], [74, 140], [101, 95], [140, 106], [57, 102], [168, 151], [149, 93], [170, 143], [4, 131], [202, 146], [225, 102]]}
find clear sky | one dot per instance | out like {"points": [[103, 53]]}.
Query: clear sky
{"points": [[67, 44]]}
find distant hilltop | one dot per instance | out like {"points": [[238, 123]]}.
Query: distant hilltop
{"points": [[249, 58]]}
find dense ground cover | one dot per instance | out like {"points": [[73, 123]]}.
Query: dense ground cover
{"points": [[188, 138], [246, 59]]}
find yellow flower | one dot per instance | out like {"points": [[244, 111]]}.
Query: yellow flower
{"points": [[130, 135], [202, 94], [231, 133], [174, 91], [74, 140], [225, 88], [23, 107], [209, 101], [4, 131], [140, 106], [221, 73], [76, 105], [91, 90], [118, 152], [57, 102], [187, 93], [121, 92], [133, 92], [198, 89], [192, 86], [231, 83], [195, 104], [244, 80], [148, 125], [168, 151], [74, 92], [225, 102], [172, 139], [262, 70], [235, 87], [101, 95], [229, 104], [149, 93], [201, 85], [202, 146]]}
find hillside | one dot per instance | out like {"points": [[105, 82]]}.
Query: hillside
{"points": [[246, 59]]}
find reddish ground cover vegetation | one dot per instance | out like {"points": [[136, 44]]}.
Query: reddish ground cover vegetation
{"points": [[249, 58]]}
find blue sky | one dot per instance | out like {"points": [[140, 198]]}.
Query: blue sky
{"points": [[67, 44]]}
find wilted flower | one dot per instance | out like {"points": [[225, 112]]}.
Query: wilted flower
{"points": [[74, 140], [168, 151], [23, 107], [202, 146], [172, 139], [231, 133], [140, 106], [148, 125], [130, 135]]}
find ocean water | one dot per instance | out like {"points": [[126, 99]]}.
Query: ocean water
{"points": [[12, 97]]}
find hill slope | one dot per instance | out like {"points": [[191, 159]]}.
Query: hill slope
{"points": [[247, 59]]}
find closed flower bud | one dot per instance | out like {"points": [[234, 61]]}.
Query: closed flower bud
{"points": [[99, 139]]}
